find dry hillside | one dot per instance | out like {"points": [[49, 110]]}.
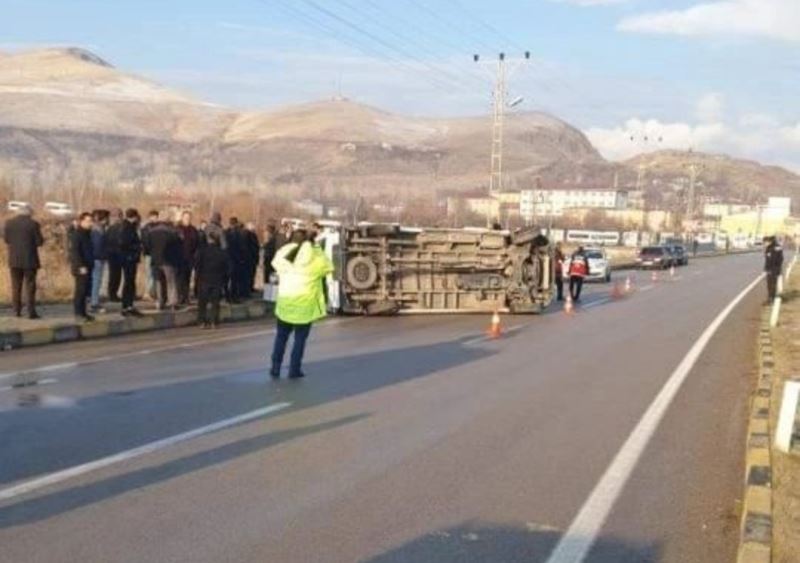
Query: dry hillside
{"points": [[67, 116]]}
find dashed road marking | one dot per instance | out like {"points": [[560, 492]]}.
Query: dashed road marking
{"points": [[574, 545], [59, 476]]}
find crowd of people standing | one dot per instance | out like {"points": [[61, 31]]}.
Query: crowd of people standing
{"points": [[183, 262]]}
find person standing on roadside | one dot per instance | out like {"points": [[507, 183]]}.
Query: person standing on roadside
{"points": [[112, 254], [212, 269], [578, 270], [559, 258], [190, 240], [773, 266], [236, 255], [252, 253], [301, 267], [149, 271], [215, 226], [269, 249], [81, 261], [100, 252], [165, 254], [23, 236], [131, 251]]}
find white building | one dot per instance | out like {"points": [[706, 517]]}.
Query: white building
{"points": [[537, 203]]}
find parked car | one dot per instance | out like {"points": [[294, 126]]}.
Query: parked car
{"points": [[654, 258], [14, 206], [679, 255], [599, 265], [58, 209]]}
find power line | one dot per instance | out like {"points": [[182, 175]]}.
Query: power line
{"points": [[309, 19], [456, 79]]}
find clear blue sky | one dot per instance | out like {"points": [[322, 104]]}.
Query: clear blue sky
{"points": [[716, 76]]}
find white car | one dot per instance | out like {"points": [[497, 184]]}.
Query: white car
{"points": [[599, 265], [14, 206], [58, 209]]}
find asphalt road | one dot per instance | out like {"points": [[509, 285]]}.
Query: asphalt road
{"points": [[412, 439]]}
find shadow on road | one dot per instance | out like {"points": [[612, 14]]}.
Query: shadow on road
{"points": [[59, 502], [505, 544], [40, 440]]}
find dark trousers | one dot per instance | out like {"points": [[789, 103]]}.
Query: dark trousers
{"points": [[23, 278], [208, 296], [560, 287], [184, 284], [114, 277], [83, 288], [129, 285], [284, 330], [575, 287], [772, 285]]}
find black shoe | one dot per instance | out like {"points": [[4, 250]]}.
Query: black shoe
{"points": [[33, 316], [206, 326], [275, 373], [298, 375], [87, 318], [134, 312]]}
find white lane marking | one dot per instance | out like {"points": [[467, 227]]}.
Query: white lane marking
{"points": [[28, 384], [149, 351], [602, 301], [59, 476], [575, 544], [647, 288]]}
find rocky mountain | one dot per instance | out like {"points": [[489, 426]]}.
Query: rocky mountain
{"points": [[67, 116]]}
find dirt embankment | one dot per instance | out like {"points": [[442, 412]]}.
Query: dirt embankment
{"points": [[786, 468]]}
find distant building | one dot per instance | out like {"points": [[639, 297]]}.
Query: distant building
{"points": [[310, 207], [541, 202]]}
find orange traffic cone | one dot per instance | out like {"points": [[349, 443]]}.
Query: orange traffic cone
{"points": [[569, 308], [495, 330], [654, 277], [672, 271], [628, 285]]}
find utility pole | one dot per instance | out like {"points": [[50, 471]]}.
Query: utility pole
{"points": [[499, 106], [694, 169]]}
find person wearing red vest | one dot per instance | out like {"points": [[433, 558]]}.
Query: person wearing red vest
{"points": [[578, 269]]}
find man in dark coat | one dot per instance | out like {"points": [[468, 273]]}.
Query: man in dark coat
{"points": [[773, 266], [252, 252], [150, 273], [190, 241], [212, 269], [100, 253], [81, 261], [270, 248], [23, 237], [112, 248], [236, 255], [165, 255], [130, 247]]}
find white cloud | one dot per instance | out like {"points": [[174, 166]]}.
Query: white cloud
{"points": [[757, 137], [776, 19], [710, 107]]}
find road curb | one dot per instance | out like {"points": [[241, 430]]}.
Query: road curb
{"points": [[755, 542], [71, 332]]}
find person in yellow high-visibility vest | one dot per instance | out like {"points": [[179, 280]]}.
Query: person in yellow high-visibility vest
{"points": [[301, 267]]}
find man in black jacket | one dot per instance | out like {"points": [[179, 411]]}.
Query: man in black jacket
{"points": [[23, 236], [212, 269], [112, 249], [165, 256], [252, 252], [236, 254], [773, 266], [130, 249], [81, 261], [270, 248]]}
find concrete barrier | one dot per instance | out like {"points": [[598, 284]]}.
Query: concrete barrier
{"points": [[105, 327]]}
